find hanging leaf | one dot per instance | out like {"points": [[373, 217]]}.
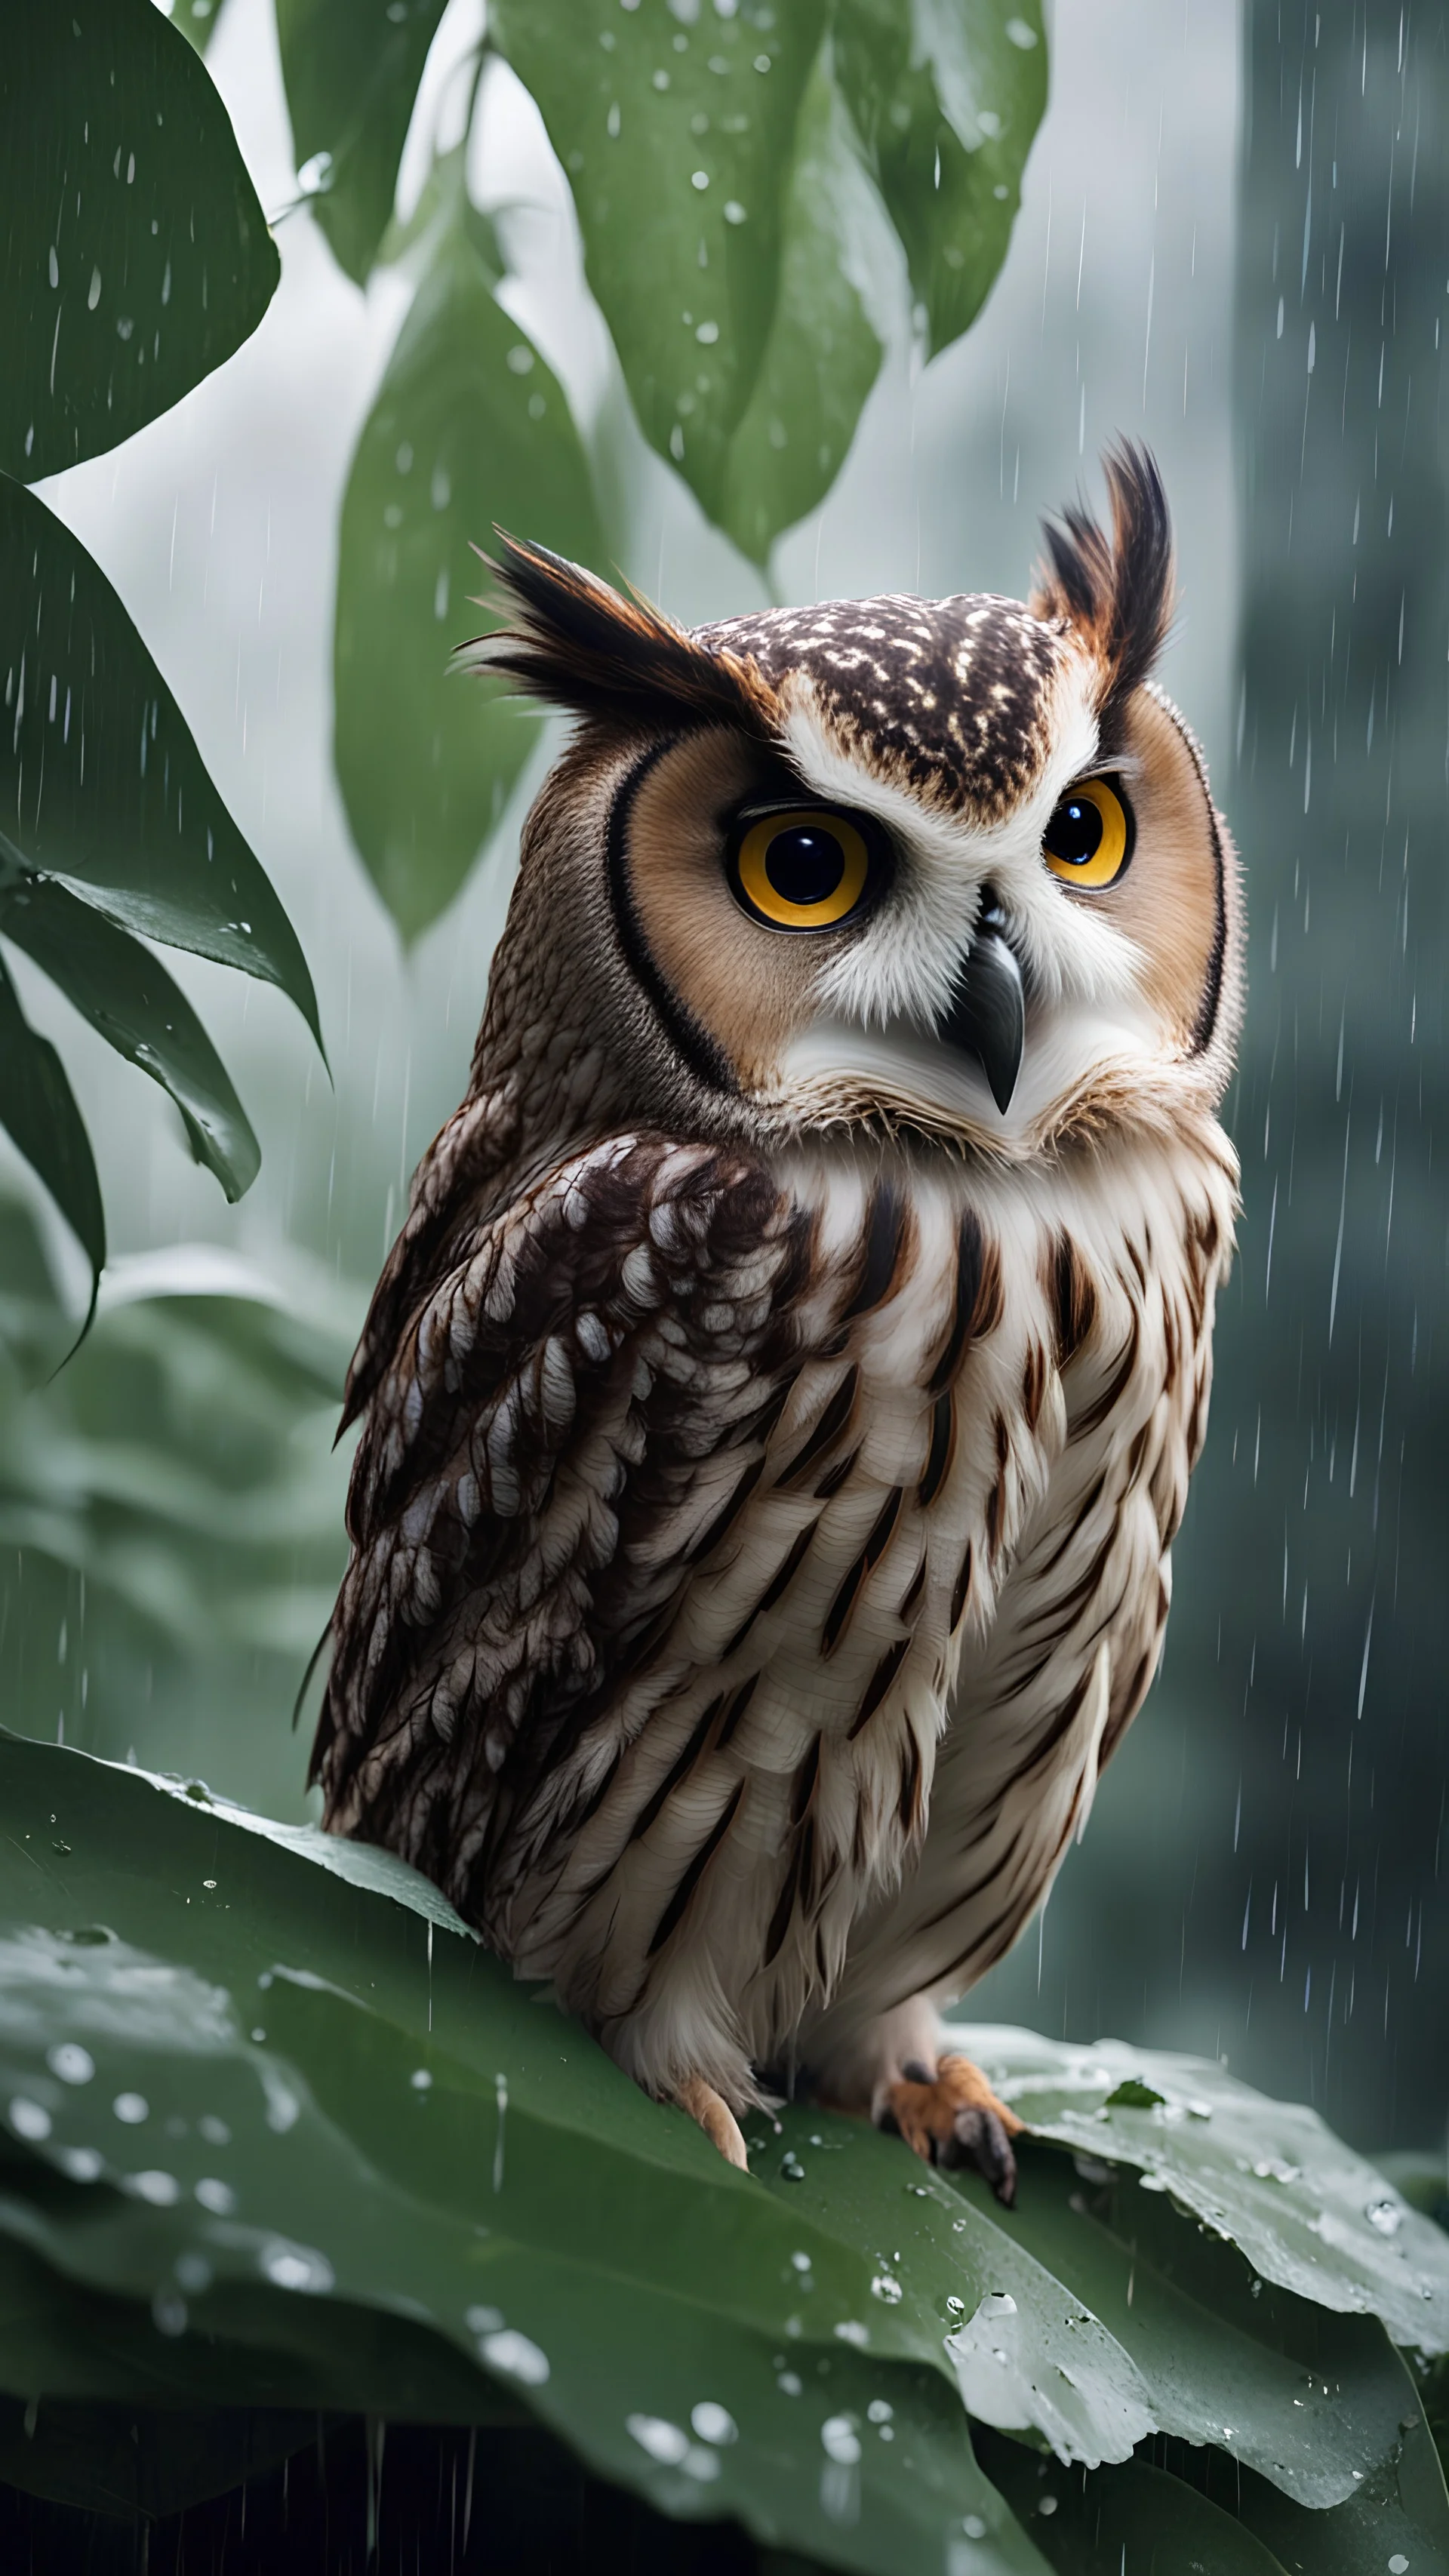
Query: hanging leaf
{"points": [[136, 254], [470, 428], [946, 102], [100, 780], [38, 1113], [352, 69], [140, 1010], [678, 142], [822, 355]]}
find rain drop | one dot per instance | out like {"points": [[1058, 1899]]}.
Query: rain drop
{"points": [[296, 2267], [72, 2063], [83, 2164], [663, 2441], [161, 2190], [714, 2423], [840, 2441], [513, 2354]]}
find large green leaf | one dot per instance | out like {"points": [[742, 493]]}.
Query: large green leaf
{"points": [[38, 1113], [136, 254], [470, 427], [141, 1011], [352, 69], [1309, 2397], [100, 780], [292, 2139], [822, 355], [265, 2098], [678, 141], [1307, 2212], [946, 100]]}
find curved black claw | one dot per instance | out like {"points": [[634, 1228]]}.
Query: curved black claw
{"points": [[978, 2139]]}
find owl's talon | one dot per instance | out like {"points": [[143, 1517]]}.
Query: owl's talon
{"points": [[978, 2138], [952, 2119], [715, 2117]]}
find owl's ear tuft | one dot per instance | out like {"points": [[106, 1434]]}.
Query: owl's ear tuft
{"points": [[1117, 589], [574, 641]]}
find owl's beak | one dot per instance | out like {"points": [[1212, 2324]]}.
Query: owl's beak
{"points": [[986, 1016]]}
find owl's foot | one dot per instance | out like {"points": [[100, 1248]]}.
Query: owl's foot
{"points": [[715, 2117], [953, 2118]]}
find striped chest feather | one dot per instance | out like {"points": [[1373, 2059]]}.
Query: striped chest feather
{"points": [[969, 1476]]}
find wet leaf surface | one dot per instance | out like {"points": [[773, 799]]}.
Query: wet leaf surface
{"points": [[39, 1115], [140, 1010], [947, 104], [822, 355], [470, 427], [1306, 2211], [1310, 2397], [678, 142], [137, 257], [284, 2133], [101, 782], [352, 69], [524, 2201]]}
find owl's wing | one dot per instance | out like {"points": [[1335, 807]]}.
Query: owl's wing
{"points": [[566, 1423], [451, 1180]]}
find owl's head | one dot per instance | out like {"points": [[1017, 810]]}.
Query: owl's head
{"points": [[948, 868]]}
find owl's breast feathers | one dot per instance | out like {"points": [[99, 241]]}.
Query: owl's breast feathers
{"points": [[689, 1486]]}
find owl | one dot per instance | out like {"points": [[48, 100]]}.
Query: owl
{"points": [[779, 1404]]}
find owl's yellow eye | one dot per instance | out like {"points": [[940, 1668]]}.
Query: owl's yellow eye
{"points": [[1088, 841], [801, 868]]}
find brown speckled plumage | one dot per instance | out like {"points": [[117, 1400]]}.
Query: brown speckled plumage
{"points": [[949, 696], [771, 1448]]}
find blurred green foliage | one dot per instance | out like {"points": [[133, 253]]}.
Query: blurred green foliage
{"points": [[170, 1509]]}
